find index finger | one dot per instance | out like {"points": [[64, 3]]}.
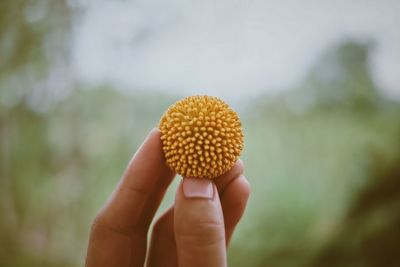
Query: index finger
{"points": [[140, 191]]}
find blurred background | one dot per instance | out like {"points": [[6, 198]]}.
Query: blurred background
{"points": [[316, 84]]}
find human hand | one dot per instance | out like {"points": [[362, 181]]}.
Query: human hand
{"points": [[195, 231]]}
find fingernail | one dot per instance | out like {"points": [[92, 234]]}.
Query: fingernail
{"points": [[197, 188]]}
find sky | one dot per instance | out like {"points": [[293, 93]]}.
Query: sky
{"points": [[232, 49]]}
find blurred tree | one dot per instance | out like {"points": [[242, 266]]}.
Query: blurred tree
{"points": [[341, 76], [370, 234], [34, 51], [34, 36], [310, 154]]}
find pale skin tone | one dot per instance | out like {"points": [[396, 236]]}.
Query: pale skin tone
{"points": [[195, 231]]}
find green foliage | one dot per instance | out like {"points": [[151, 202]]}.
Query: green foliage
{"points": [[34, 48], [306, 171]]}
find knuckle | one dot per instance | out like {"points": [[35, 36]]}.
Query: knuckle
{"points": [[97, 221], [95, 227], [201, 233]]}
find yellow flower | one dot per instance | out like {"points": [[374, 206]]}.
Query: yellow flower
{"points": [[202, 137]]}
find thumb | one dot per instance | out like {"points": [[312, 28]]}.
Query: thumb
{"points": [[199, 224]]}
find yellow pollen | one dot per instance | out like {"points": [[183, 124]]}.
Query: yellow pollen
{"points": [[202, 137]]}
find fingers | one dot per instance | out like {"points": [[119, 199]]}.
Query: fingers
{"points": [[234, 191], [223, 181], [233, 195], [233, 203], [162, 250], [141, 188], [199, 224], [118, 236]]}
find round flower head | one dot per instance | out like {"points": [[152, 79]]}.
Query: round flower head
{"points": [[202, 137]]}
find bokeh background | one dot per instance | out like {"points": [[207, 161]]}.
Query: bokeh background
{"points": [[316, 84]]}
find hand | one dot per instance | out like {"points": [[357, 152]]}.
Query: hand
{"points": [[195, 231]]}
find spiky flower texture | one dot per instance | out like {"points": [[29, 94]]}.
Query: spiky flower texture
{"points": [[202, 136]]}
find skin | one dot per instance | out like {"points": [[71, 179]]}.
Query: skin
{"points": [[194, 231]]}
